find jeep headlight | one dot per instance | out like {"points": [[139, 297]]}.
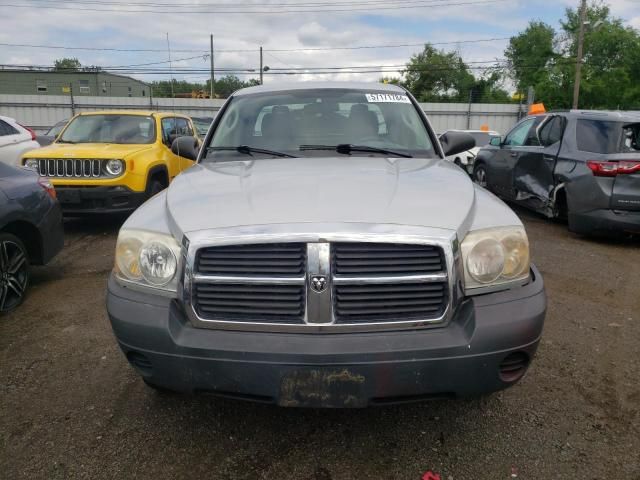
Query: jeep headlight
{"points": [[114, 167], [31, 164], [147, 259], [495, 257]]}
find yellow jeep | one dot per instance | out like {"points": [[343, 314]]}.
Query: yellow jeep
{"points": [[110, 162]]}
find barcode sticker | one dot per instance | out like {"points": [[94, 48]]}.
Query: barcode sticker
{"points": [[387, 98]]}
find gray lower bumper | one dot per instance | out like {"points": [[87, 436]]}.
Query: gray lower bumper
{"points": [[605, 221], [347, 369]]}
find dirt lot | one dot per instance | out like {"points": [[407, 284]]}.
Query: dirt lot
{"points": [[71, 407]]}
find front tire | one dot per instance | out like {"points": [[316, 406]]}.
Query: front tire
{"points": [[14, 272], [480, 175]]}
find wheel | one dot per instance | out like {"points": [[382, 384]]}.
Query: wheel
{"points": [[14, 272], [480, 175]]}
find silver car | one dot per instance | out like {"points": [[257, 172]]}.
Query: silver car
{"points": [[323, 253]]}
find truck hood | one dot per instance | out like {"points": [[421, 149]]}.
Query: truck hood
{"points": [[87, 150], [404, 191]]}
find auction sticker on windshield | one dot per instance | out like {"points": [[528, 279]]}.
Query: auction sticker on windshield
{"points": [[387, 98]]}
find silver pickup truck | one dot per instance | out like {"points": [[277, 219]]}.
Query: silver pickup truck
{"points": [[322, 252]]}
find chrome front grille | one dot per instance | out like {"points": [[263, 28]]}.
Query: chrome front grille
{"points": [[385, 259], [263, 282], [248, 303], [71, 168], [389, 301], [329, 285], [275, 260]]}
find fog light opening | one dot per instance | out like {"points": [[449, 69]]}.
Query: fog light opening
{"points": [[513, 367], [141, 363]]}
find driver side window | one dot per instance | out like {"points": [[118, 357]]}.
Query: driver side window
{"points": [[518, 136]]}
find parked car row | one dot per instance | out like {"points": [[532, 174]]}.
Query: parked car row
{"points": [[101, 162], [321, 252]]}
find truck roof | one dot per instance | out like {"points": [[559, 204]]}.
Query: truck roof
{"points": [[288, 86]]}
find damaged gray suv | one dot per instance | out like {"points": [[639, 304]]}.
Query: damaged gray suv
{"points": [[582, 166], [323, 253]]}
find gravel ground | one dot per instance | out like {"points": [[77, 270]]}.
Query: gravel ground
{"points": [[71, 407]]}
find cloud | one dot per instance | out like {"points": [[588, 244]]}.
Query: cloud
{"points": [[238, 37]]}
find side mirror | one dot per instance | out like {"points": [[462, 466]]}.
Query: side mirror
{"points": [[496, 141], [456, 142], [186, 147]]}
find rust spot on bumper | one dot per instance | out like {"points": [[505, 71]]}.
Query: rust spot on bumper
{"points": [[327, 388]]}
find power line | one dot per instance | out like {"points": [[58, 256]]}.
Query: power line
{"points": [[204, 57], [326, 70], [397, 45], [236, 6], [422, 5], [252, 50]]}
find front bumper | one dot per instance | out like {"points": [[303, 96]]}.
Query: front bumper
{"points": [[464, 357], [605, 221], [94, 200], [51, 231]]}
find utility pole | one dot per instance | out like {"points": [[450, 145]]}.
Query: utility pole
{"points": [[576, 83], [213, 89], [260, 65], [73, 103]]}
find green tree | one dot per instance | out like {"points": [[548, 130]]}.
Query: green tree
{"points": [[545, 59], [224, 86], [67, 64], [435, 75], [529, 54]]}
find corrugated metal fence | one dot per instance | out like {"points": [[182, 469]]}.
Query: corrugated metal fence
{"points": [[41, 112]]}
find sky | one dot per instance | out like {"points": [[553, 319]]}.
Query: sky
{"points": [[190, 22]]}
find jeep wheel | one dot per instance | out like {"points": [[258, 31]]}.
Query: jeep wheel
{"points": [[480, 175], [14, 272]]}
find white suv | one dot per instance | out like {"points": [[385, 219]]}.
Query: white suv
{"points": [[15, 140]]}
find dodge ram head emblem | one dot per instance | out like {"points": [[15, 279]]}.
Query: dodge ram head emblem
{"points": [[318, 283]]}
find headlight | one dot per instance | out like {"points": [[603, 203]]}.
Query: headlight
{"points": [[31, 163], [114, 167], [147, 259], [494, 257]]}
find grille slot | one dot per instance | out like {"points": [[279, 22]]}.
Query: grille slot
{"points": [[250, 302], [389, 301], [379, 259], [272, 260], [85, 167]]}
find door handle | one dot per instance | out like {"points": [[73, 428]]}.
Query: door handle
{"points": [[549, 159], [514, 154]]}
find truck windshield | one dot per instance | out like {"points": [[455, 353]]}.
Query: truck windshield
{"points": [[296, 121], [599, 136], [110, 128]]}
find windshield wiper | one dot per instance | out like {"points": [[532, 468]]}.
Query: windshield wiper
{"points": [[348, 148], [246, 149]]}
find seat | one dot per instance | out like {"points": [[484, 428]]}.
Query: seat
{"points": [[277, 128], [362, 123]]}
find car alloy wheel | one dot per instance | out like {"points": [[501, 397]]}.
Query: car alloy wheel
{"points": [[14, 272], [481, 176]]}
